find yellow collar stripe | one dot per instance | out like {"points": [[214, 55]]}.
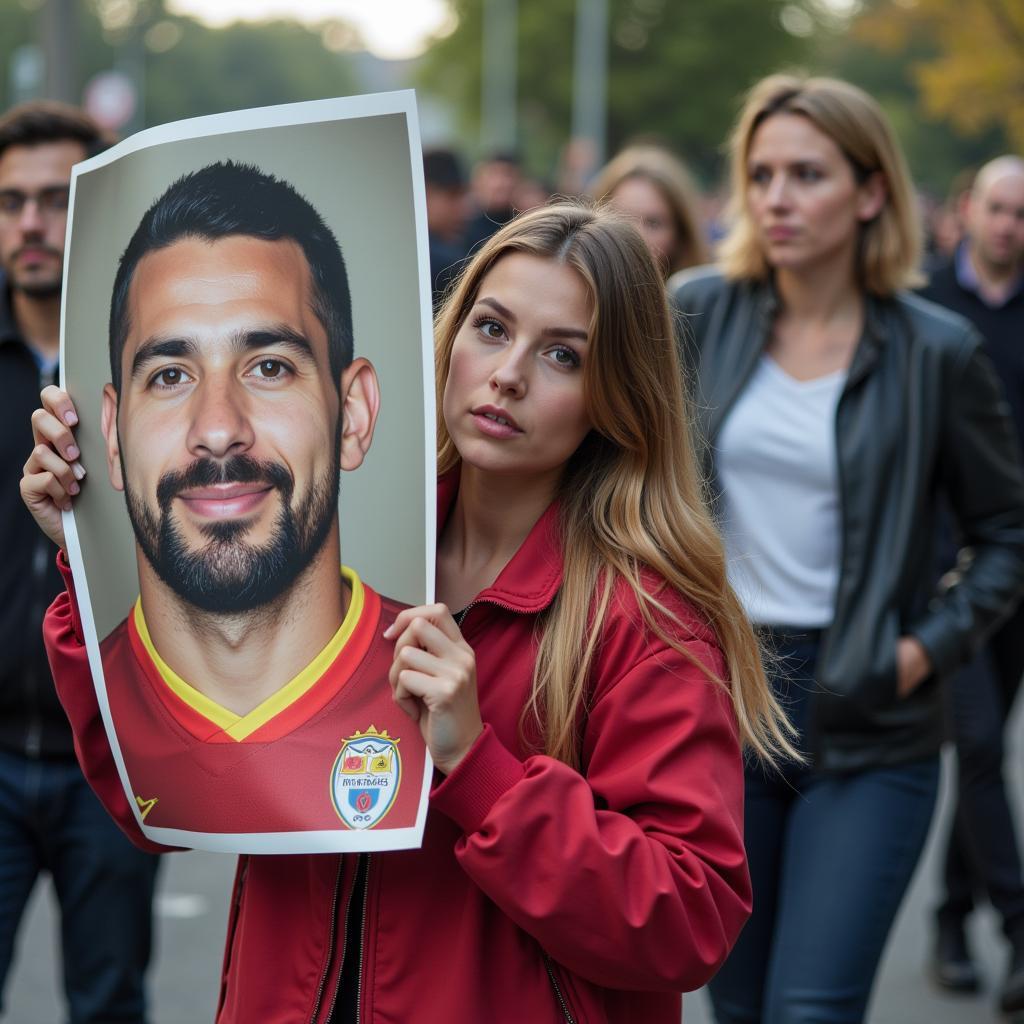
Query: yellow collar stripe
{"points": [[240, 726]]}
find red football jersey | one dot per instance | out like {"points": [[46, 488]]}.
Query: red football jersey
{"points": [[329, 750]]}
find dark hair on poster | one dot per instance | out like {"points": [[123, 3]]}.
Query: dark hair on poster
{"points": [[225, 199]]}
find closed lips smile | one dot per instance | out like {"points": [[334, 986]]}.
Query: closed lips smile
{"points": [[225, 501]]}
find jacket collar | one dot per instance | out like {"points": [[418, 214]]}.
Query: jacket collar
{"points": [[530, 581]]}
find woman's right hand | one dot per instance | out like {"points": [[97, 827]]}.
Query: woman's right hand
{"points": [[52, 474]]}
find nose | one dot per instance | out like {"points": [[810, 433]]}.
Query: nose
{"points": [[509, 376], [777, 193], [30, 219], [220, 423]]}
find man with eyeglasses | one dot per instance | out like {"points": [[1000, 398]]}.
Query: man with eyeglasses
{"points": [[50, 821]]}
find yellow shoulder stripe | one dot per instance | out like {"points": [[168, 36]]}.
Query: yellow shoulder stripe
{"points": [[240, 726]]}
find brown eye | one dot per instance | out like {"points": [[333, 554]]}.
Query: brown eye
{"points": [[169, 377], [270, 369]]}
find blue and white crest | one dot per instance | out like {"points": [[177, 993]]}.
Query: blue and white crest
{"points": [[365, 778]]}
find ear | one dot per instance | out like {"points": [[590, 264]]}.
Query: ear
{"points": [[360, 403], [108, 424], [871, 196]]}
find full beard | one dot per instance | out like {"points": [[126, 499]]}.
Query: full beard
{"points": [[42, 290], [227, 575]]}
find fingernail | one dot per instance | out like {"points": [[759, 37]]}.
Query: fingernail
{"points": [[387, 632], [74, 489], [72, 451], [70, 418], [78, 469]]}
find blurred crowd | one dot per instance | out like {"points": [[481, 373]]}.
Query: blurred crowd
{"points": [[680, 218]]}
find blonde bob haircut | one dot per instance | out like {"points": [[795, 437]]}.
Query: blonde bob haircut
{"points": [[632, 505], [673, 183], [890, 244]]}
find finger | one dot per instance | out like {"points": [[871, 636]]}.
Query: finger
{"points": [[413, 685], [411, 706], [423, 661], [45, 460], [431, 612], [414, 657], [446, 623], [48, 429], [423, 633], [44, 494], [59, 403]]}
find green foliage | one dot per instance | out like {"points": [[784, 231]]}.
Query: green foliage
{"points": [[205, 70], [936, 150], [675, 69]]}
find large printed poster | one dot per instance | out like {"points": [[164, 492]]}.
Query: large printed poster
{"points": [[246, 337]]}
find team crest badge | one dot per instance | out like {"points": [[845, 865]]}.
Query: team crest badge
{"points": [[365, 778]]}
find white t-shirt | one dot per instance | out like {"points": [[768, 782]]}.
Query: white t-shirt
{"points": [[776, 463]]}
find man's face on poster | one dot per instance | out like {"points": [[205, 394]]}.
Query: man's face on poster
{"points": [[227, 435]]}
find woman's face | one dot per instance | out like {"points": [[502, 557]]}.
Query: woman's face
{"points": [[643, 202], [513, 401], [803, 196]]}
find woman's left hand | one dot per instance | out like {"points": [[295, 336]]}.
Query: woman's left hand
{"points": [[433, 679]]}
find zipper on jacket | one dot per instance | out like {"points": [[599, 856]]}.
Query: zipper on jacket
{"points": [[460, 616], [361, 883], [569, 1018], [331, 935]]}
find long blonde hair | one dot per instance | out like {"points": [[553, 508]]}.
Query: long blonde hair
{"points": [[673, 182], [890, 244], [631, 497]]}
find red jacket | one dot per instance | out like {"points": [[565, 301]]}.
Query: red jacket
{"points": [[540, 894]]}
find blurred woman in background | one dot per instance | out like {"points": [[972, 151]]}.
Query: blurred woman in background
{"points": [[654, 189], [836, 407]]}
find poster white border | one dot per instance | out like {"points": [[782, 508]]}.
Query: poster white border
{"points": [[312, 112]]}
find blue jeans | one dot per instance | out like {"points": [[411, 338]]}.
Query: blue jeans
{"points": [[51, 821], [830, 859]]}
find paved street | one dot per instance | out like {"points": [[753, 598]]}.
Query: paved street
{"points": [[193, 908]]}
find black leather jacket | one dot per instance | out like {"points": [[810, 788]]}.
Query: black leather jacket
{"points": [[921, 413]]}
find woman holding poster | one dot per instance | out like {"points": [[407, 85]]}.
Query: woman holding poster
{"points": [[584, 688]]}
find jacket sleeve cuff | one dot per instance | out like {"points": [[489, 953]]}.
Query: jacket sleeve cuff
{"points": [[942, 641], [487, 772], [65, 570]]}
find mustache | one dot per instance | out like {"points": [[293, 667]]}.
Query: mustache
{"points": [[48, 249], [238, 469]]}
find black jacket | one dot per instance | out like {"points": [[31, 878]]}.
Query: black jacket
{"points": [[921, 413], [32, 721], [1002, 328]]}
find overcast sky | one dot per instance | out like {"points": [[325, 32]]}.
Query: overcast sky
{"points": [[390, 28]]}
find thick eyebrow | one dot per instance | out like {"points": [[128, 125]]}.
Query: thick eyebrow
{"points": [[279, 334], [175, 348], [160, 348], [551, 332]]}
